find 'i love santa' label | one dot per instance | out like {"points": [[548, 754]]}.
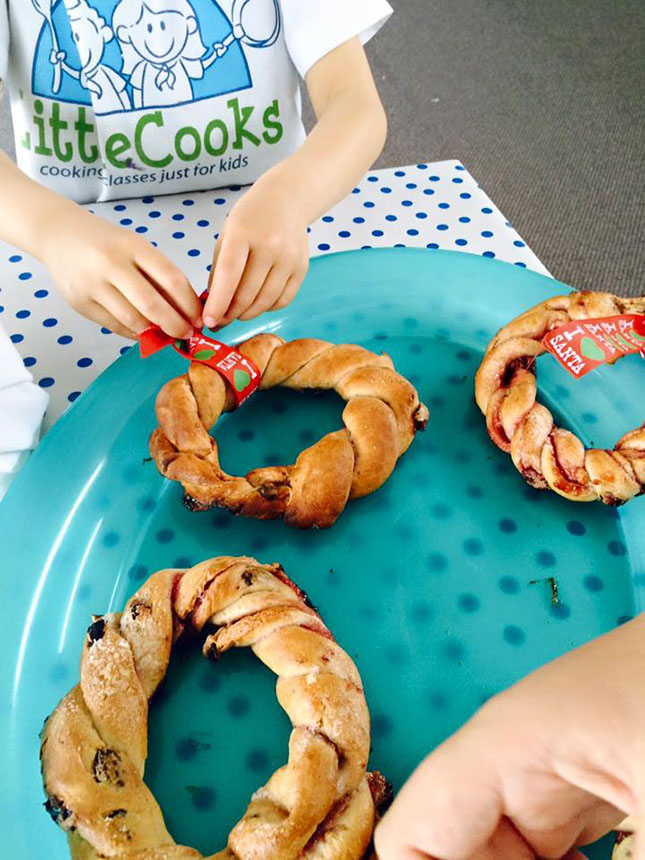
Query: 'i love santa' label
{"points": [[242, 374], [582, 345]]}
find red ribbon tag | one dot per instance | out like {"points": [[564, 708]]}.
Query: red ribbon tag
{"points": [[239, 371], [582, 345]]}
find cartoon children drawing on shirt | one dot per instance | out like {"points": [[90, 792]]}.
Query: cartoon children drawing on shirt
{"points": [[162, 50], [160, 43], [91, 35]]}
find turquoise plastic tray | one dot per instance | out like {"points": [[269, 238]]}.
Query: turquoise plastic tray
{"points": [[427, 583]]}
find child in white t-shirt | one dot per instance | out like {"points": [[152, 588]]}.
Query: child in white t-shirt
{"points": [[122, 98]]}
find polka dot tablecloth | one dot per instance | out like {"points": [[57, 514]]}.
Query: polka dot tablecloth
{"points": [[426, 205], [441, 585]]}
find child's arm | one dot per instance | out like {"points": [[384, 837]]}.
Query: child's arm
{"points": [[109, 274], [262, 255], [553, 763]]}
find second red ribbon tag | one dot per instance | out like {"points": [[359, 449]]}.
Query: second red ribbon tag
{"points": [[582, 345]]}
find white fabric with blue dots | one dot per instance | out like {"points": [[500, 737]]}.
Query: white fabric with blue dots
{"points": [[427, 205]]}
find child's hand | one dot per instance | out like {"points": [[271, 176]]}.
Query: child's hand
{"points": [[117, 278], [553, 763], [261, 256]]}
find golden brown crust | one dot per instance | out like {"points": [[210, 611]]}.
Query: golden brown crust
{"points": [[321, 805], [548, 456], [382, 415]]}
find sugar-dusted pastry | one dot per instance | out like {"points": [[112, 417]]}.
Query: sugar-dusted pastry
{"points": [[322, 805]]}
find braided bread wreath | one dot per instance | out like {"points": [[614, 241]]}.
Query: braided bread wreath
{"points": [[546, 455], [322, 805], [381, 417]]}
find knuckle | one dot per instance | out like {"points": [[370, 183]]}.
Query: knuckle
{"points": [[77, 302], [227, 266], [230, 235], [147, 307], [102, 257], [177, 281], [223, 272], [134, 242], [135, 322], [273, 242]]}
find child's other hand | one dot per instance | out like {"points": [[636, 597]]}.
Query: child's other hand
{"points": [[553, 763], [117, 278], [261, 256]]}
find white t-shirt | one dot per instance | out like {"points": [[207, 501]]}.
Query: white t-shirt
{"points": [[126, 98]]}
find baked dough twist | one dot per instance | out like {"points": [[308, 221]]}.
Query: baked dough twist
{"points": [[320, 806], [383, 413], [546, 455]]}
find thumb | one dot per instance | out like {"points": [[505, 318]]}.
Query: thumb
{"points": [[451, 805]]}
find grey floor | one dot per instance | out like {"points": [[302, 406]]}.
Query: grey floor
{"points": [[544, 103]]}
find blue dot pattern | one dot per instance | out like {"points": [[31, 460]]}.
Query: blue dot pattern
{"points": [[467, 551], [459, 589], [418, 205]]}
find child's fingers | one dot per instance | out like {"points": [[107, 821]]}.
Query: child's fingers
{"points": [[269, 294], [151, 304], [103, 317], [451, 805], [216, 250], [575, 817], [226, 276], [252, 285], [506, 842], [171, 282], [115, 304], [289, 293]]}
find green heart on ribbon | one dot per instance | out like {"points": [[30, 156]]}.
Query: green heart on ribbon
{"points": [[204, 354], [590, 349], [241, 379]]}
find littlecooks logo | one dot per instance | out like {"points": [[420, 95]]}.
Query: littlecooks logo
{"points": [[582, 345], [123, 55], [121, 66]]}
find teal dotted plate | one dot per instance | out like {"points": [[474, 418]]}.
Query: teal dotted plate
{"points": [[439, 585]]}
